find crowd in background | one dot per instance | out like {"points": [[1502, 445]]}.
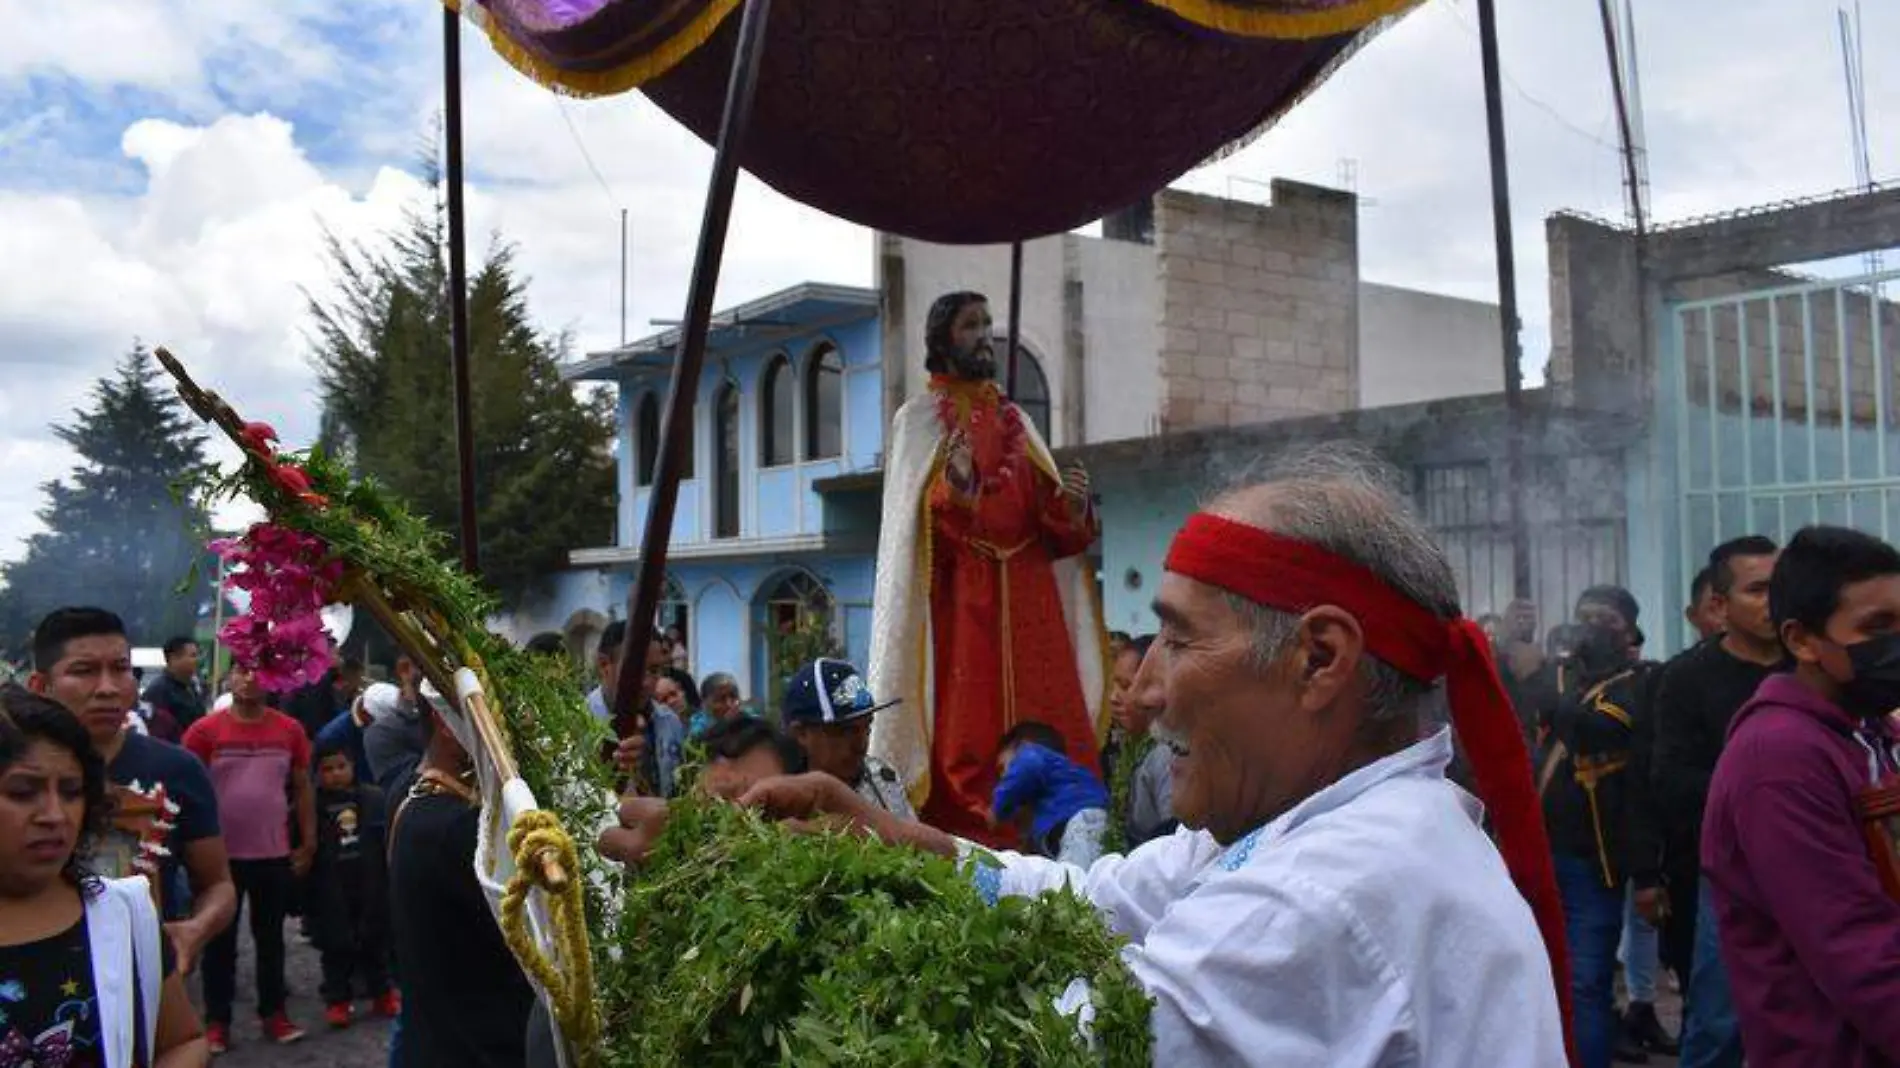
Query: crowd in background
{"points": [[1696, 819], [1701, 813]]}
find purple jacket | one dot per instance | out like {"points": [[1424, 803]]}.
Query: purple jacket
{"points": [[1811, 940]]}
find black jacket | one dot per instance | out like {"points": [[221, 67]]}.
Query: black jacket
{"points": [[1698, 693], [185, 701], [1594, 775]]}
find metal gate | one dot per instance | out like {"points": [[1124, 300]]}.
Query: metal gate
{"points": [[1783, 409], [1573, 507]]}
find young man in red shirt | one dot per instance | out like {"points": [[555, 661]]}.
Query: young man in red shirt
{"points": [[259, 761]]}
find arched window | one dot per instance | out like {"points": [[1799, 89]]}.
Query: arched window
{"points": [[796, 625], [673, 614], [778, 403], [824, 404], [1032, 393], [726, 462], [646, 436]]}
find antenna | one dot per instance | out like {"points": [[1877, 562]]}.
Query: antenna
{"points": [[1349, 181], [623, 278], [1853, 62]]}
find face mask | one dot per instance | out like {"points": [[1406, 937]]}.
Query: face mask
{"points": [[1601, 647], [1875, 688]]}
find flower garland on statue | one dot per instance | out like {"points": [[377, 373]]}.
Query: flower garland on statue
{"points": [[961, 408]]}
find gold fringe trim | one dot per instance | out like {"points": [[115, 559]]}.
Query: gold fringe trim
{"points": [[632, 74], [1247, 21]]}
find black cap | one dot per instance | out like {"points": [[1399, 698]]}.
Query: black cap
{"points": [[1614, 597], [828, 691]]}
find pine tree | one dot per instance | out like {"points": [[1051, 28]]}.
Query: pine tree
{"points": [[122, 532], [543, 469]]}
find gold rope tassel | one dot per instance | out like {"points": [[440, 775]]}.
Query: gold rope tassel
{"points": [[535, 836]]}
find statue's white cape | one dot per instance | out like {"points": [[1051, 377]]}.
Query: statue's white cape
{"points": [[900, 620]]}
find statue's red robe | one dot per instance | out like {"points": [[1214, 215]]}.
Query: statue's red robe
{"points": [[1002, 651]]}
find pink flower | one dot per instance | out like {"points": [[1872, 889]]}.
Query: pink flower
{"points": [[290, 576]]}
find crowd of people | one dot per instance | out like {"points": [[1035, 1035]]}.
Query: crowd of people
{"points": [[1275, 828], [1701, 811]]}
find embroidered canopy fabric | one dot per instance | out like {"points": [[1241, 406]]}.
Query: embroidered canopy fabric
{"points": [[959, 121]]}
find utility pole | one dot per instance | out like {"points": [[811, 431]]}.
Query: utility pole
{"points": [[1507, 300]]}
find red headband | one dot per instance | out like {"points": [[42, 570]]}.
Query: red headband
{"points": [[1296, 576]]}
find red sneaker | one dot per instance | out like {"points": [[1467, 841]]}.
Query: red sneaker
{"points": [[389, 1006], [279, 1029], [217, 1037], [337, 1015]]}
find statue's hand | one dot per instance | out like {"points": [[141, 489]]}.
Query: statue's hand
{"points": [[959, 464], [1075, 485]]}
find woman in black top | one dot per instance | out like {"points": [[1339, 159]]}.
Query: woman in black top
{"points": [[81, 959]]}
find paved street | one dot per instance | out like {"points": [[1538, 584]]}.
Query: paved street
{"points": [[364, 1045]]}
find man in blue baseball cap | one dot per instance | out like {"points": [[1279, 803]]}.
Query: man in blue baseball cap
{"points": [[828, 710]]}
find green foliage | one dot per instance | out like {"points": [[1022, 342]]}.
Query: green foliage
{"points": [[740, 942], [118, 534], [811, 638], [1121, 781], [543, 469], [751, 944]]}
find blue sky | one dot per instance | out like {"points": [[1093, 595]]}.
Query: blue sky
{"points": [[167, 168]]}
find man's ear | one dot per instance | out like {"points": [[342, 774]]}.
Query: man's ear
{"points": [[38, 683], [1328, 648], [1800, 644]]}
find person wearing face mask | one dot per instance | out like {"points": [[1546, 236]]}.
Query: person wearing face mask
{"points": [[1593, 783], [1808, 914]]}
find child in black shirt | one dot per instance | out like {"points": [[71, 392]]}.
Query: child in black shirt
{"points": [[348, 889]]}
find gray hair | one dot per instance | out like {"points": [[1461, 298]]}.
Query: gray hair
{"points": [[1344, 499], [715, 682]]}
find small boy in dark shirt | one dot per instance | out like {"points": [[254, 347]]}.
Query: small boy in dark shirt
{"points": [[1064, 804], [348, 889]]}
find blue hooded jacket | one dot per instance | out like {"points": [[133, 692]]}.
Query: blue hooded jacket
{"points": [[1055, 788]]}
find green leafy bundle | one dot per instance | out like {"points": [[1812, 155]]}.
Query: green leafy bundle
{"points": [[740, 942]]}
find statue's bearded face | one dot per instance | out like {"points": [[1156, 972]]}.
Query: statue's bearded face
{"points": [[971, 354]]}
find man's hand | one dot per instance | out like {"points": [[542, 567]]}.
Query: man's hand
{"points": [[1075, 486], [1653, 905], [807, 797], [188, 940], [630, 751], [641, 821], [301, 858]]}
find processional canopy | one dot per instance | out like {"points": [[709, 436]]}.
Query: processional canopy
{"points": [[956, 121]]}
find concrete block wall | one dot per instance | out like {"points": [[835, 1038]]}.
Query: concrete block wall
{"points": [[1260, 306], [1790, 328]]}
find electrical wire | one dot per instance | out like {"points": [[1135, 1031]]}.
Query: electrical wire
{"points": [[574, 132], [1528, 97]]}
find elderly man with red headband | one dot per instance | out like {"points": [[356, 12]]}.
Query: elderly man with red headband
{"points": [[1332, 900]]}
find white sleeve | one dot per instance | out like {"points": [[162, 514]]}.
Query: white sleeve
{"points": [[1275, 972], [1133, 891]]}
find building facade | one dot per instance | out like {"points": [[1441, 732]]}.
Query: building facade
{"points": [[1178, 355]]}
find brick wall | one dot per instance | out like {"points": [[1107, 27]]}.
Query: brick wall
{"points": [[1260, 312]]}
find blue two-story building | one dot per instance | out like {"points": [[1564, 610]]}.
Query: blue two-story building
{"points": [[791, 394]]}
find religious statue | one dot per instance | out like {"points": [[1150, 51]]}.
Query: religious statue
{"points": [[986, 614]]}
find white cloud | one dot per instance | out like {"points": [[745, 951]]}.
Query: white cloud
{"points": [[209, 251]]}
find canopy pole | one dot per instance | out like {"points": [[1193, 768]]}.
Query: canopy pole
{"points": [[1507, 301], [644, 599], [1015, 310], [458, 291]]}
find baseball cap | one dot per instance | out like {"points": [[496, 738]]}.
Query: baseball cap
{"points": [[828, 691]]}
